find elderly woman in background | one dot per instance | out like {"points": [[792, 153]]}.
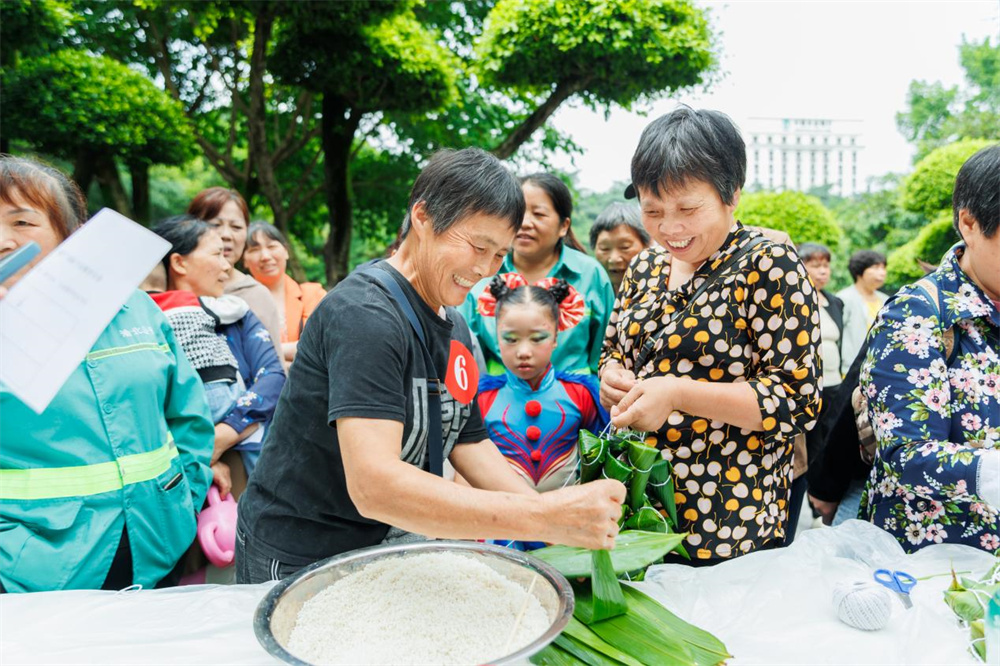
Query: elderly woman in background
{"points": [[228, 212], [266, 258], [932, 379], [616, 237], [100, 490], [862, 301], [546, 247], [713, 345]]}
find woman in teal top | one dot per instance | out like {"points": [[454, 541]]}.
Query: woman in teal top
{"points": [[546, 247], [100, 489]]}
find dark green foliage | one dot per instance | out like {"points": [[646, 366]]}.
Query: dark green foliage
{"points": [[930, 245], [31, 27], [376, 56], [617, 51], [68, 102]]}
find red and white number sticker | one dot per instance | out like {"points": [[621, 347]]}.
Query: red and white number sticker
{"points": [[462, 378]]}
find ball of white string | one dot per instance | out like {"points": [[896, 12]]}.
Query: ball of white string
{"points": [[864, 604]]}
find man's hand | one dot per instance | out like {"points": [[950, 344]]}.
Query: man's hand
{"points": [[585, 516], [616, 381], [647, 405], [827, 510], [222, 477]]}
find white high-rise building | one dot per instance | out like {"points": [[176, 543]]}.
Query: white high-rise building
{"points": [[803, 153]]}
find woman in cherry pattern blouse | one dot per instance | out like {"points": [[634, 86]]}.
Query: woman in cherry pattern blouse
{"points": [[735, 370]]}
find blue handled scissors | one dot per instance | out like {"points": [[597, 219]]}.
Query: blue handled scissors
{"points": [[899, 582]]}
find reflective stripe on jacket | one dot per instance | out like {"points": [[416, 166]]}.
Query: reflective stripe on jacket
{"points": [[125, 443]]}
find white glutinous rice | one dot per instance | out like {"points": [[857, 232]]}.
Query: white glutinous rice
{"points": [[429, 608]]}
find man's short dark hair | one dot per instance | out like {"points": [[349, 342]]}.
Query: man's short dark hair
{"points": [[862, 260], [459, 183], [689, 145], [977, 190], [810, 251], [615, 215]]}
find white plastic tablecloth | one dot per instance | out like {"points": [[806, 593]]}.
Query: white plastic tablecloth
{"points": [[776, 607], [769, 608]]}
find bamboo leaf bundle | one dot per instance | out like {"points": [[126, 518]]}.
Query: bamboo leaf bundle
{"points": [[633, 550]]}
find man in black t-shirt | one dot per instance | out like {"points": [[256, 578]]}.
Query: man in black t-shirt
{"points": [[346, 460]]}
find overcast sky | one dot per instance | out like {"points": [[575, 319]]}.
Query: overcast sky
{"points": [[809, 59]]}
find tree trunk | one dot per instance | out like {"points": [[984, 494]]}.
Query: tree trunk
{"points": [[523, 132], [140, 192], [260, 153], [83, 171], [339, 124], [111, 185]]}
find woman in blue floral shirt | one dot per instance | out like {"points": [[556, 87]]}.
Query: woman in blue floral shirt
{"points": [[932, 378], [196, 263]]}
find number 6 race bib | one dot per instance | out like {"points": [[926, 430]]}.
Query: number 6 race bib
{"points": [[462, 378]]}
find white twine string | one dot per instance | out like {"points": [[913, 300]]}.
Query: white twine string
{"points": [[136, 587]]}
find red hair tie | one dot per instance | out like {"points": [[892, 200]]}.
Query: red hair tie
{"points": [[571, 309]]}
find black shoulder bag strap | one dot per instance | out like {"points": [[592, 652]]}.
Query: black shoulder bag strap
{"points": [[435, 444], [647, 349]]}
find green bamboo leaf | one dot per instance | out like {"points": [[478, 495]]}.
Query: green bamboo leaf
{"points": [[647, 519], [593, 450], [641, 458], [661, 482], [608, 598], [955, 585], [553, 655], [965, 604], [584, 653], [616, 469], [644, 641], [633, 550], [977, 633], [582, 634], [706, 649]]}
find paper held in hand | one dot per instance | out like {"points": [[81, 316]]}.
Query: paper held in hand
{"points": [[54, 314]]}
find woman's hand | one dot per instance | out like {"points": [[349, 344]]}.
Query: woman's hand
{"points": [[616, 381], [288, 350], [647, 404], [827, 510], [226, 438], [222, 477]]}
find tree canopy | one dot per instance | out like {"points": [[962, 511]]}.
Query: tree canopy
{"points": [[288, 101], [70, 101], [936, 116], [611, 52]]}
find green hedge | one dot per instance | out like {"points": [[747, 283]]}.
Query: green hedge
{"points": [[801, 216], [929, 188], [930, 245]]}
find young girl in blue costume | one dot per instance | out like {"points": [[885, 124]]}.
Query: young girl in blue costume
{"points": [[533, 413]]}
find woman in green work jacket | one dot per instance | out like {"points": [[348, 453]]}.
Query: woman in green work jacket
{"points": [[99, 491]]}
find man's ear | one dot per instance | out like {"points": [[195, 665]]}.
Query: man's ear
{"points": [[178, 264], [420, 222]]}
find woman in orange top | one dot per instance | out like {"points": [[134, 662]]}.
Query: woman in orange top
{"points": [[266, 258]]}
